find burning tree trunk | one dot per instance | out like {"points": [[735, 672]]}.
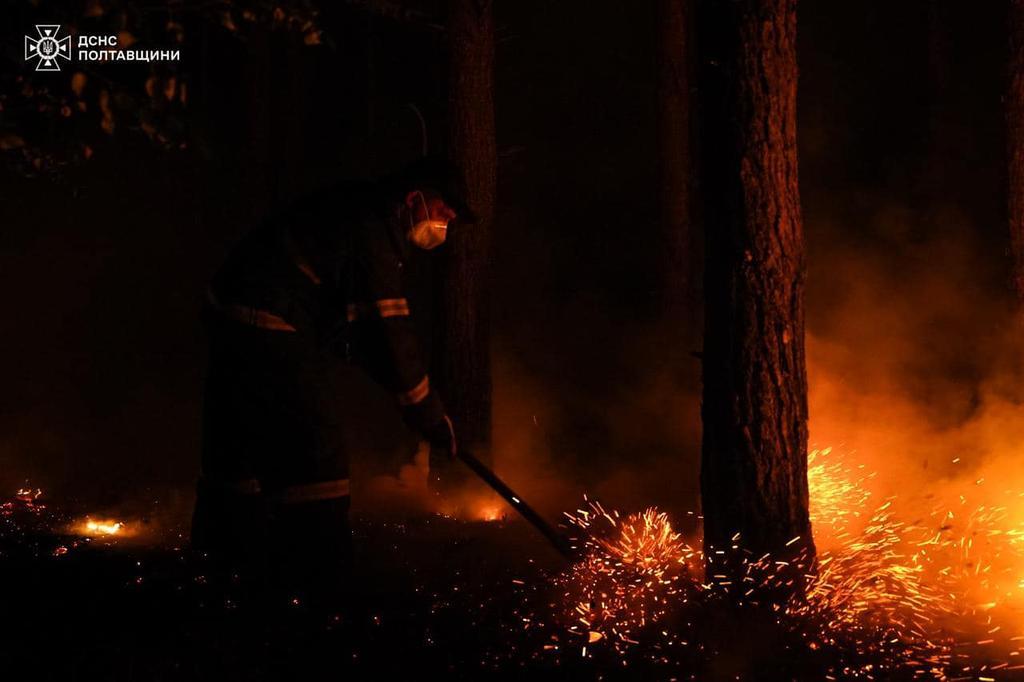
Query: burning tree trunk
{"points": [[681, 267], [754, 465], [1015, 144], [466, 364]]}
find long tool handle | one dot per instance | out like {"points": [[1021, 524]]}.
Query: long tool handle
{"points": [[558, 540]]}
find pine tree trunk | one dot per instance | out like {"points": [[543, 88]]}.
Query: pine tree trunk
{"points": [[682, 265], [1015, 144], [754, 460], [466, 360]]}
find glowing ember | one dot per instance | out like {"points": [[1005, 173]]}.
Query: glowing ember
{"points": [[892, 592], [25, 502], [28, 495], [871, 592], [946, 577], [633, 571]]}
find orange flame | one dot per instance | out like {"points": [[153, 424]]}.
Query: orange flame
{"points": [[101, 528], [899, 589]]}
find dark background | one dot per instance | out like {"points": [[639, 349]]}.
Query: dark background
{"points": [[103, 263]]}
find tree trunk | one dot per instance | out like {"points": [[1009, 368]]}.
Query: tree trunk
{"points": [[754, 459], [1015, 144], [681, 266], [466, 359]]}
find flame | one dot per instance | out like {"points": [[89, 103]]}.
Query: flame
{"points": [[892, 589], [471, 506], [101, 527], [487, 513]]}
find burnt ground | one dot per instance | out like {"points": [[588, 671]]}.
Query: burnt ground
{"points": [[436, 597], [127, 612]]}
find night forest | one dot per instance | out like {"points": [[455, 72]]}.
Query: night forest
{"points": [[732, 352]]}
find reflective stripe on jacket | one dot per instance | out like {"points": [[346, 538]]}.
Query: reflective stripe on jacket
{"points": [[331, 268]]}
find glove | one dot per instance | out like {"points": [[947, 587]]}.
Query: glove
{"points": [[441, 437]]}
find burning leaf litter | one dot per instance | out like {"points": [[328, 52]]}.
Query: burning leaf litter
{"points": [[925, 597], [936, 596], [634, 570], [26, 516]]}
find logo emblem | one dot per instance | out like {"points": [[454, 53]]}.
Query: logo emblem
{"points": [[47, 47]]}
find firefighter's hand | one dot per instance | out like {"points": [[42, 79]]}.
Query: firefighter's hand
{"points": [[441, 437]]}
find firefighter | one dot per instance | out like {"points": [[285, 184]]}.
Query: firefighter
{"points": [[304, 302]]}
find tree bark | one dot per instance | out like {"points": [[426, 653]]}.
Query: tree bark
{"points": [[1015, 144], [466, 358], [754, 458], [681, 268]]}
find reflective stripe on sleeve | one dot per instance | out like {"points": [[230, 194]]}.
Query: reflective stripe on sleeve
{"points": [[416, 394], [311, 492], [307, 270], [385, 307]]}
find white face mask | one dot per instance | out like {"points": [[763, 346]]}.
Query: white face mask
{"points": [[428, 233]]}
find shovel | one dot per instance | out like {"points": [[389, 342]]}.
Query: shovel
{"points": [[557, 539]]}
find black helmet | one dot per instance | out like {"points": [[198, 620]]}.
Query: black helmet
{"points": [[442, 176]]}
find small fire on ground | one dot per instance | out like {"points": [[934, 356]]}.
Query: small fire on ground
{"points": [[477, 506], [101, 527]]}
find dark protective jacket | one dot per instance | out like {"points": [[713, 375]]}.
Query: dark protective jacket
{"points": [[301, 301], [319, 284]]}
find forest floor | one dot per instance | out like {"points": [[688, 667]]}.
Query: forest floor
{"points": [[436, 596]]}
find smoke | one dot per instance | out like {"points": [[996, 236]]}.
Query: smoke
{"points": [[913, 356], [632, 445], [631, 438], [914, 371]]}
